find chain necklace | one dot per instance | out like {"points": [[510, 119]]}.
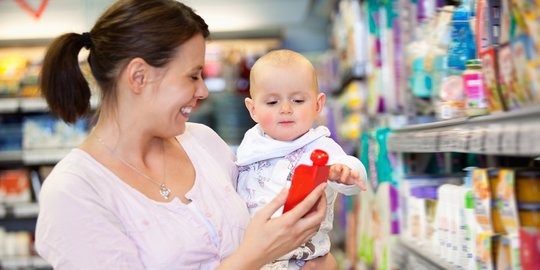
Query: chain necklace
{"points": [[164, 191]]}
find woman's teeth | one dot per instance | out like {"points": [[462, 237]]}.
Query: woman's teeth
{"points": [[186, 110]]}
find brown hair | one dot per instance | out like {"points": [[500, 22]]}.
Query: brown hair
{"points": [[151, 30]]}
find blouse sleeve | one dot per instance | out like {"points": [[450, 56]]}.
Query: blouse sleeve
{"points": [[76, 231]]}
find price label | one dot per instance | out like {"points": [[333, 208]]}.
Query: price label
{"points": [[462, 141], [529, 140], [509, 139], [493, 139], [427, 142], [447, 140], [476, 140]]}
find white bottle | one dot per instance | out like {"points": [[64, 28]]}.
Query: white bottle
{"points": [[471, 229]]}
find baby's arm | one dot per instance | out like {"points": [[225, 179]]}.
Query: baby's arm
{"points": [[340, 173]]}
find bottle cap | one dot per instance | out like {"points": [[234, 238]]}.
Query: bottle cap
{"points": [[473, 62], [469, 200]]}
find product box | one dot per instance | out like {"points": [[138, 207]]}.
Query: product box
{"points": [[494, 14], [490, 71], [522, 53], [533, 69], [15, 186], [44, 131], [507, 78], [530, 248], [505, 21]]}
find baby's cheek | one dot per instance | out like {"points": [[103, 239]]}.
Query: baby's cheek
{"points": [[266, 120]]}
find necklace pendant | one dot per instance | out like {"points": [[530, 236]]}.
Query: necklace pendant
{"points": [[164, 191]]}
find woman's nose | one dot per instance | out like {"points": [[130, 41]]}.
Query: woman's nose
{"points": [[201, 92]]}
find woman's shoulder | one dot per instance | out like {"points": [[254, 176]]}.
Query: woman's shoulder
{"points": [[200, 129], [206, 138], [203, 134], [75, 171]]}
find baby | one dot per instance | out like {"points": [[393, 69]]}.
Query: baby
{"points": [[285, 103]]}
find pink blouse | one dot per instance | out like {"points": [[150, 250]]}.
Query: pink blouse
{"points": [[90, 219]]}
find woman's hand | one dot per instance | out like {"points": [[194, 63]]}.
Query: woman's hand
{"points": [[267, 238], [326, 262]]}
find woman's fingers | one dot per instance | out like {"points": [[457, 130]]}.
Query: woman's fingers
{"points": [[308, 203], [267, 211]]}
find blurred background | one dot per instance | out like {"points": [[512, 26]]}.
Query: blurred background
{"points": [[440, 99]]}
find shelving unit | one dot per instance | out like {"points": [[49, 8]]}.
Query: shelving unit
{"points": [[32, 262], [426, 254], [21, 217], [19, 210], [33, 104], [510, 133]]}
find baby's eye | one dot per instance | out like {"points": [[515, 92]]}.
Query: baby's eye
{"points": [[271, 102], [195, 78], [299, 101]]}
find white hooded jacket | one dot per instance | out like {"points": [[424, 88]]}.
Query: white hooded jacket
{"points": [[265, 164]]}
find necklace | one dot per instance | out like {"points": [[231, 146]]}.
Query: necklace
{"points": [[164, 191]]}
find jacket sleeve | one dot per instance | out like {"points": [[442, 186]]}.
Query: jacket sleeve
{"points": [[338, 156]]}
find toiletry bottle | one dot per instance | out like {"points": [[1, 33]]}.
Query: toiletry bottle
{"points": [[473, 86], [469, 259]]}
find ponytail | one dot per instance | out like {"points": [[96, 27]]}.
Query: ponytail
{"points": [[62, 83]]}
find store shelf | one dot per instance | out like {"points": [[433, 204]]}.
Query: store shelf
{"points": [[19, 210], [9, 105], [11, 156], [24, 210], [44, 156], [31, 104], [509, 133], [425, 253], [357, 74], [34, 156], [30, 262]]}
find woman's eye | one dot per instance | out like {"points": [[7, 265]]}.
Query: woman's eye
{"points": [[195, 78]]}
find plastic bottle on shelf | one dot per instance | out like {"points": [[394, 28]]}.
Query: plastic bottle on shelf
{"points": [[473, 86], [469, 259], [462, 44]]}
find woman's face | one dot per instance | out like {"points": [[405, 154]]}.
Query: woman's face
{"points": [[179, 87]]}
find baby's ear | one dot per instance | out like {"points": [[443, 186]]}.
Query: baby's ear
{"points": [[250, 105], [321, 99]]}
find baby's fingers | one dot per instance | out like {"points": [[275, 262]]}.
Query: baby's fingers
{"points": [[358, 181], [361, 184], [345, 173]]}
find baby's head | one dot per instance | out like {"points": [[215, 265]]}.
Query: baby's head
{"points": [[285, 100]]}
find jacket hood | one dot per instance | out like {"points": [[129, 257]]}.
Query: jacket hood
{"points": [[257, 146]]}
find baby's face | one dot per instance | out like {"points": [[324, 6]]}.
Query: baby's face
{"points": [[285, 101]]}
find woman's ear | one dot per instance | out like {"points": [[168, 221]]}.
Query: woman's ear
{"points": [[137, 72], [250, 105], [321, 99]]}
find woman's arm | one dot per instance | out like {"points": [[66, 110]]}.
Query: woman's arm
{"points": [[269, 238]]}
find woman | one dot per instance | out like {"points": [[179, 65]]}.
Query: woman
{"points": [[146, 190]]}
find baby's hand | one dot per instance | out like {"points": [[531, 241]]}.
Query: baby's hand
{"points": [[343, 174]]}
